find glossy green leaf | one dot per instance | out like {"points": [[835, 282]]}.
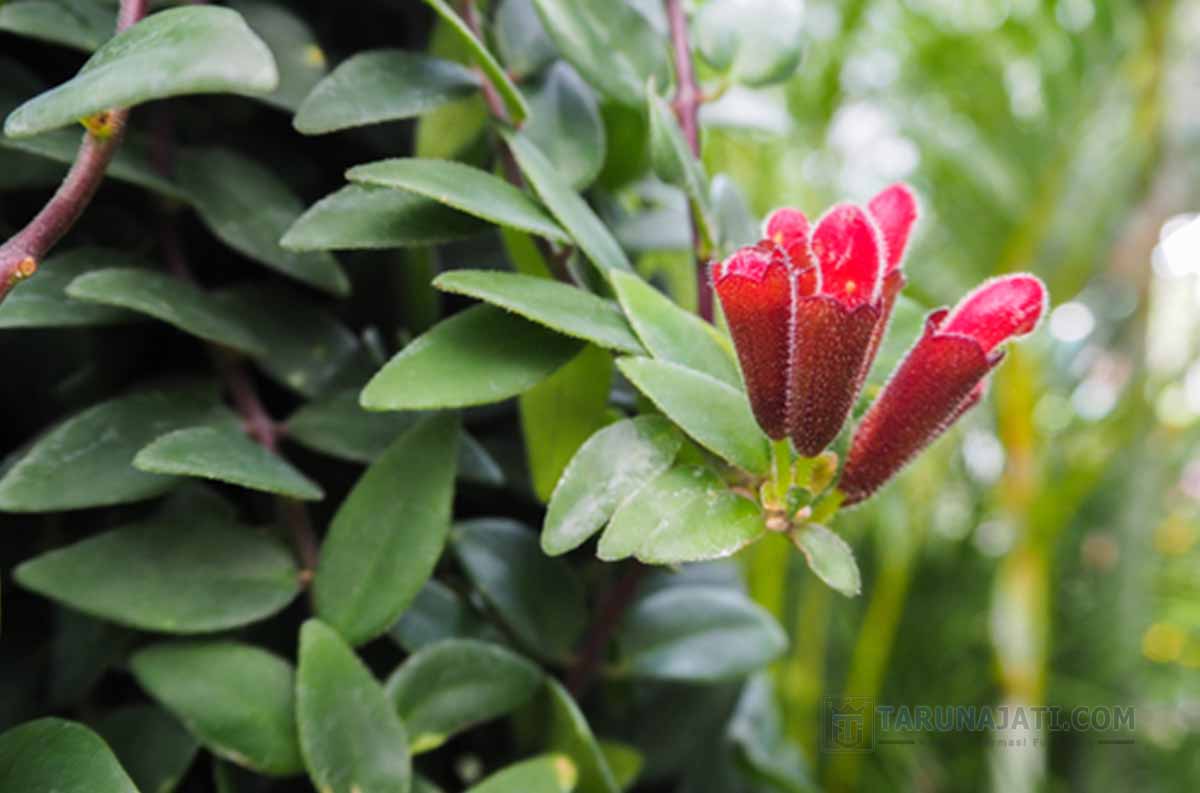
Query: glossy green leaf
{"points": [[609, 468], [238, 700], [521, 41], [556, 305], [675, 163], [42, 302], [755, 42], [172, 300], [85, 460], [829, 557], [672, 334], [194, 50], [481, 355], [561, 412], [625, 762], [368, 218], [697, 634], [566, 126], [249, 208], [716, 415], [436, 614], [59, 756], [540, 598], [464, 188], [350, 736], [686, 514], [570, 734], [546, 774], [451, 686], [389, 532], [514, 102], [592, 236], [382, 85], [226, 454], [152, 745], [611, 44], [173, 573], [79, 25], [298, 56]]}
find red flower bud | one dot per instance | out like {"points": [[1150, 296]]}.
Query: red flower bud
{"points": [[940, 379], [755, 287]]}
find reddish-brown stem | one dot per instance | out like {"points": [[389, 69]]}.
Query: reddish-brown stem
{"points": [[612, 608], [686, 105], [21, 255]]}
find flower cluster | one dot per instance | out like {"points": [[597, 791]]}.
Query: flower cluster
{"points": [[808, 307]]}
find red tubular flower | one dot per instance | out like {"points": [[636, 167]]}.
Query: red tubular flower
{"points": [[894, 211], [940, 379], [755, 287]]}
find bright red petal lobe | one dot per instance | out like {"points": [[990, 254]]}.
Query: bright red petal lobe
{"points": [[1002, 309], [894, 211], [755, 289], [848, 251], [788, 228]]}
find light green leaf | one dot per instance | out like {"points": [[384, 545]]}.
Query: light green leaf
{"points": [[382, 85], [59, 756], [298, 57], [464, 188], [672, 334], [559, 413], [570, 734], [450, 686], [755, 42], [546, 774], [625, 761], [351, 738], [675, 164], [238, 700], [389, 532], [514, 102], [225, 454], [566, 125], [540, 598], [249, 208], [85, 460], [173, 573], [151, 744], [829, 557], [81, 25], [369, 218], [194, 50], [592, 236], [611, 44], [556, 305], [521, 41], [609, 468], [172, 300], [734, 218], [686, 514], [700, 634], [716, 415], [42, 302], [475, 357]]}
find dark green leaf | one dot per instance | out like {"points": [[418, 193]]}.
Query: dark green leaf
{"points": [[716, 415], [366, 218], [480, 355], [686, 514], [570, 734], [439, 613], [85, 460], [389, 532], [41, 302], [382, 85], [249, 208], [546, 774], [698, 633], [464, 188], [564, 308], [298, 57], [514, 102], [172, 300], [225, 454], [565, 124], [451, 686], [81, 25], [238, 700], [180, 51], [59, 756], [540, 598], [174, 573], [351, 738], [152, 746], [829, 557], [609, 468]]}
